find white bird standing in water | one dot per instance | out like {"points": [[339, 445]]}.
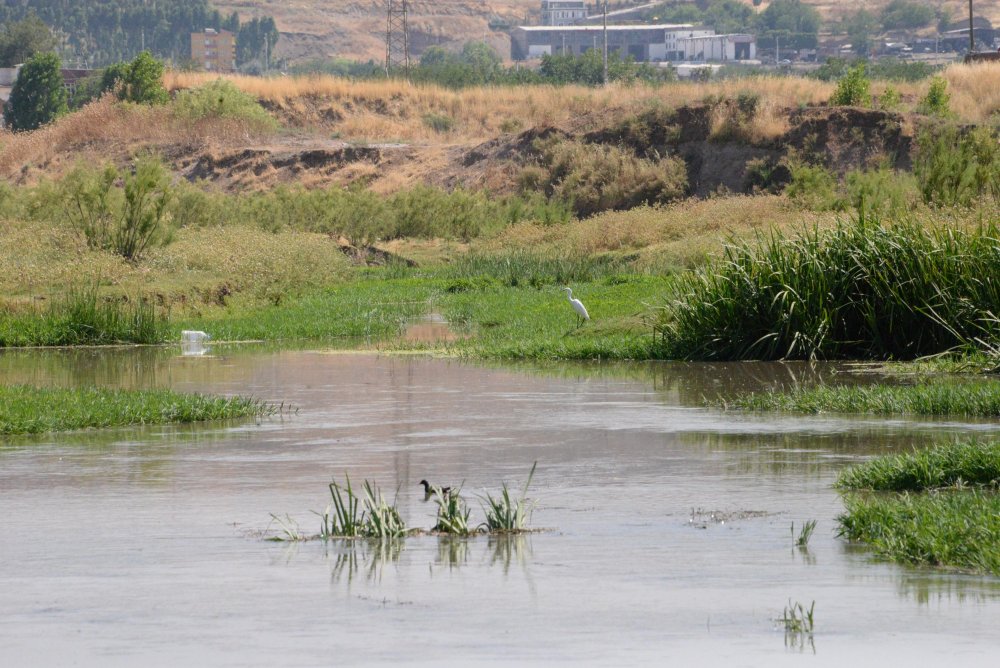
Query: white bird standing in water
{"points": [[577, 305]]}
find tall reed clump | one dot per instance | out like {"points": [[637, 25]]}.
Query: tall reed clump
{"points": [[81, 317], [507, 514], [369, 516], [957, 168], [452, 513], [863, 290]]}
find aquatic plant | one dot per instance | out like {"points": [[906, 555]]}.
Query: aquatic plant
{"points": [[797, 619], [863, 290], [979, 398], [452, 512], [82, 317], [32, 410], [965, 463], [506, 514], [950, 528], [805, 533], [380, 519], [342, 517]]}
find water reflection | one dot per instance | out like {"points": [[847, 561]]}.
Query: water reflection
{"points": [[370, 557]]}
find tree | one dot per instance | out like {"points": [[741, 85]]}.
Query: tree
{"points": [[21, 40], [38, 96], [797, 24], [140, 81], [904, 15], [861, 30]]}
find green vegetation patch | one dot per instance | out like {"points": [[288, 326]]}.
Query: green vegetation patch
{"points": [[959, 529], [32, 410], [81, 317], [864, 290], [938, 506], [959, 464], [967, 399]]}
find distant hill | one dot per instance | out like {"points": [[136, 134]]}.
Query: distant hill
{"points": [[355, 29]]}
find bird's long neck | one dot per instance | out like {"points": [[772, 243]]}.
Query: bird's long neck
{"points": [[569, 294]]}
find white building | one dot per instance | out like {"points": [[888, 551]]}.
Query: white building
{"points": [[563, 12], [716, 48], [673, 47]]}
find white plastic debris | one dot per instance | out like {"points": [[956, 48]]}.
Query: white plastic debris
{"points": [[194, 336]]}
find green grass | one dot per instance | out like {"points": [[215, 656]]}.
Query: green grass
{"points": [[81, 317], [452, 513], [964, 463], [958, 529], [938, 507], [364, 308], [864, 290], [934, 398], [529, 323], [30, 410]]}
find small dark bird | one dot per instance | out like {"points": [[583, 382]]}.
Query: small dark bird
{"points": [[430, 490]]}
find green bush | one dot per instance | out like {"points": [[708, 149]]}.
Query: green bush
{"points": [[813, 187], [955, 167], [853, 89], [439, 122], [890, 99], [936, 102], [38, 96], [221, 99], [598, 177], [126, 219], [139, 81]]}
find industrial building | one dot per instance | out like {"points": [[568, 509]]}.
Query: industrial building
{"points": [[644, 43], [214, 50]]}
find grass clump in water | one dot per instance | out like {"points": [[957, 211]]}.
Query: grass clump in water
{"points": [[863, 290], [967, 399], [506, 514], [938, 507], [797, 619], [958, 464], [81, 317], [452, 513], [32, 410], [342, 517], [958, 529], [805, 533], [371, 516]]}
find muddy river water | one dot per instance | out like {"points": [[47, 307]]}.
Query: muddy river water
{"points": [[669, 538]]}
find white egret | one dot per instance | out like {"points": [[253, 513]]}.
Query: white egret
{"points": [[577, 305]]}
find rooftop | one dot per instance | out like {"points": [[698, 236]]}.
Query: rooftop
{"points": [[662, 26]]}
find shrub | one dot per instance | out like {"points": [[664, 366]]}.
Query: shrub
{"points": [[955, 168], [936, 102], [853, 89], [890, 99], [221, 99], [126, 219], [439, 122], [140, 81], [813, 187], [597, 177]]}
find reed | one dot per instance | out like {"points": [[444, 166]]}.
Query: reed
{"points": [[81, 317], [805, 533], [452, 513], [380, 519], [865, 289], [342, 517], [507, 514]]}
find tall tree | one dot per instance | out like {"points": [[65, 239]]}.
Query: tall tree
{"points": [[796, 24], [20, 40], [38, 95]]}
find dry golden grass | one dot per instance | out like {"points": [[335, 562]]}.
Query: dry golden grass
{"points": [[975, 91], [113, 130], [395, 110]]}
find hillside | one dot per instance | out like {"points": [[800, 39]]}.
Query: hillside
{"points": [[356, 28]]}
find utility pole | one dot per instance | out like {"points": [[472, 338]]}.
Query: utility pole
{"points": [[606, 42], [397, 42], [972, 38]]}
